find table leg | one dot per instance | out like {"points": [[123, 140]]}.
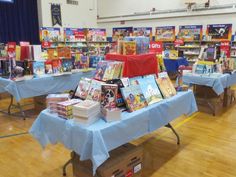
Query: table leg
{"points": [[10, 105], [68, 163], [173, 130], [21, 110]]}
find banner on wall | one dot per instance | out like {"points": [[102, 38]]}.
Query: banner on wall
{"points": [[219, 32], [96, 34], [165, 33], [74, 34], [49, 34], [121, 32], [190, 32], [56, 14], [143, 31]]}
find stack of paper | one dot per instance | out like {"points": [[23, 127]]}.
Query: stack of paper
{"points": [[86, 112], [64, 109]]}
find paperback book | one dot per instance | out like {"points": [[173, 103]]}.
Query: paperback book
{"points": [[108, 96], [129, 48], [134, 98], [57, 67], [100, 70], [67, 65], [48, 67], [165, 85], [83, 88], [64, 52], [94, 92], [38, 68]]}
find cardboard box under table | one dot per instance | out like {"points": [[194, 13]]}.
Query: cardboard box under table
{"points": [[136, 65], [124, 161]]}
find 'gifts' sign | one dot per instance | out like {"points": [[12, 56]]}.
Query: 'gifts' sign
{"points": [[156, 47]]}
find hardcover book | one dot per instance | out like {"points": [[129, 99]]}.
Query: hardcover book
{"points": [[67, 65], [150, 89], [64, 52], [165, 85], [94, 92], [83, 88], [38, 68], [48, 67], [129, 48], [56, 66], [100, 70], [110, 71], [108, 96], [133, 97], [51, 54]]}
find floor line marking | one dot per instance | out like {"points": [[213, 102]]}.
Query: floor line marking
{"points": [[13, 135]]}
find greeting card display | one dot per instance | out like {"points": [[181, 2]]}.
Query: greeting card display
{"points": [[165, 33]]}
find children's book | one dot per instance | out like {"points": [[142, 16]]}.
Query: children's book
{"points": [[108, 96], [64, 52], [94, 92], [51, 54], [133, 97], [150, 89], [48, 67], [83, 88], [84, 62], [100, 70], [110, 71], [38, 68], [67, 65], [56, 67], [129, 48], [165, 85]]}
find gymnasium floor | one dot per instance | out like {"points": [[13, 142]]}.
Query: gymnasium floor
{"points": [[208, 148]]}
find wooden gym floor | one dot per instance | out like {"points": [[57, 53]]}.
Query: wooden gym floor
{"points": [[208, 148]]}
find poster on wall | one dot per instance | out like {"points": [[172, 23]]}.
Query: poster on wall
{"points": [[190, 32], [96, 34], [165, 33], [143, 31], [219, 32], [120, 33], [74, 34], [48, 34]]}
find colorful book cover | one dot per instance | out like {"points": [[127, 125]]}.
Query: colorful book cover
{"points": [[67, 65], [100, 70], [150, 89], [134, 98], [64, 52], [219, 32], [93, 61], [121, 32], [211, 53], [56, 66], [109, 95], [94, 92], [129, 48], [48, 67], [143, 31], [74, 34], [51, 54], [83, 88], [165, 85], [200, 69], [165, 33], [110, 71], [190, 32], [96, 34], [38, 68], [84, 62], [49, 34]]}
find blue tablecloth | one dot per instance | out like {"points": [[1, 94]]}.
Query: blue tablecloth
{"points": [[173, 65], [231, 80], [95, 142], [41, 86], [218, 84]]}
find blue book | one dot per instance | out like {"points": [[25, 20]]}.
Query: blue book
{"points": [[38, 68]]}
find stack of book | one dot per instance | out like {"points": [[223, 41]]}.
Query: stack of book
{"points": [[86, 112], [53, 99], [64, 109]]}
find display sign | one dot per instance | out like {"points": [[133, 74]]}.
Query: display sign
{"points": [[74, 34], [165, 33], [96, 34], [179, 42], [143, 31], [219, 32], [120, 33], [225, 49], [156, 47], [49, 34], [190, 32], [46, 44]]}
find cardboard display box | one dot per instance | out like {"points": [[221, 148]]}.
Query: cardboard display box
{"points": [[124, 161], [40, 103]]}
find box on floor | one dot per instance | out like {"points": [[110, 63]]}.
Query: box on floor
{"points": [[124, 161]]}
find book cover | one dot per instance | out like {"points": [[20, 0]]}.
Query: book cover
{"points": [[129, 48], [165, 85], [100, 70], [134, 98], [84, 62], [48, 67], [108, 96], [51, 54], [38, 68], [200, 69], [56, 66], [150, 89], [67, 65], [64, 52], [110, 71], [94, 92], [83, 88]]}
